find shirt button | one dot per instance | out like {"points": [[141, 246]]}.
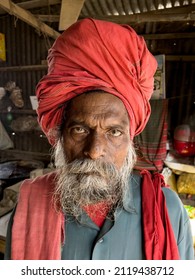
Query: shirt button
{"points": [[101, 240]]}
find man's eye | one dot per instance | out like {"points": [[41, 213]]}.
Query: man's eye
{"points": [[115, 132], [78, 130]]}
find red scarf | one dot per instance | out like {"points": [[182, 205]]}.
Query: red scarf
{"points": [[159, 239], [38, 230]]}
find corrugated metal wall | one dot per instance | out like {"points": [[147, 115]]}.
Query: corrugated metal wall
{"points": [[24, 47], [128, 7]]}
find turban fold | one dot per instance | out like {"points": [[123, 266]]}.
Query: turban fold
{"points": [[97, 55]]}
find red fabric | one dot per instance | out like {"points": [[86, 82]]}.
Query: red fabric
{"points": [[151, 143], [38, 230], [159, 239], [94, 54], [97, 212]]}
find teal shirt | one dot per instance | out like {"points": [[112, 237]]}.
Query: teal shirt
{"points": [[121, 239]]}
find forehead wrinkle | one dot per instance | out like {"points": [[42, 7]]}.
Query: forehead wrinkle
{"points": [[108, 119], [98, 110]]}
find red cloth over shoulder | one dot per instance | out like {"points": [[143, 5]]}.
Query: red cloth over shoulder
{"points": [[159, 239], [38, 230]]}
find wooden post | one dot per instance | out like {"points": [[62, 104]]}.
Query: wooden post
{"points": [[28, 17]]}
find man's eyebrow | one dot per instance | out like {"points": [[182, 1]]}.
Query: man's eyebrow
{"points": [[116, 126], [109, 126], [119, 123], [121, 126], [72, 123]]}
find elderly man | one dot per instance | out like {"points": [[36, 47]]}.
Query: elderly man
{"points": [[92, 102]]}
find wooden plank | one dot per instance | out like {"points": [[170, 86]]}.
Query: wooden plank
{"points": [[184, 13], [23, 68], [141, 18], [167, 15], [48, 18], [70, 11], [38, 4], [29, 18], [180, 57], [23, 111], [14, 154], [168, 36], [34, 4], [131, 18]]}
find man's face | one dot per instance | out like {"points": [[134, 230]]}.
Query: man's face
{"points": [[97, 128], [95, 156]]}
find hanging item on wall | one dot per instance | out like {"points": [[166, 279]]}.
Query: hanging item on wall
{"points": [[151, 143], [10, 86], [159, 78], [34, 102], [16, 97], [26, 123], [5, 141], [15, 94], [2, 47]]}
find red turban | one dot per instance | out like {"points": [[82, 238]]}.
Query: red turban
{"points": [[91, 55]]}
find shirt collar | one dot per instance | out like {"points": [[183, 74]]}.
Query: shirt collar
{"points": [[129, 199]]}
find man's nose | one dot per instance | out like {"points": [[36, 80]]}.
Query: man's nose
{"points": [[95, 147]]}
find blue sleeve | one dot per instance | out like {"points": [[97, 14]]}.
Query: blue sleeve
{"points": [[180, 223]]}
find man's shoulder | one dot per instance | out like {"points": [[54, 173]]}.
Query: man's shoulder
{"points": [[135, 179], [172, 200], [42, 181], [171, 196]]}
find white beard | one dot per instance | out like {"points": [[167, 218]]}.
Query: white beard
{"points": [[84, 181]]}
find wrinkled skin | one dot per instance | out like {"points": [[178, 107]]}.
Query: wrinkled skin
{"points": [[96, 127]]}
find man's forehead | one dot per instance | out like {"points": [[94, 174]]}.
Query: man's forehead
{"points": [[99, 106], [97, 100]]}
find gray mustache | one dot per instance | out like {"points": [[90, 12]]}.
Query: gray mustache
{"points": [[91, 167]]}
